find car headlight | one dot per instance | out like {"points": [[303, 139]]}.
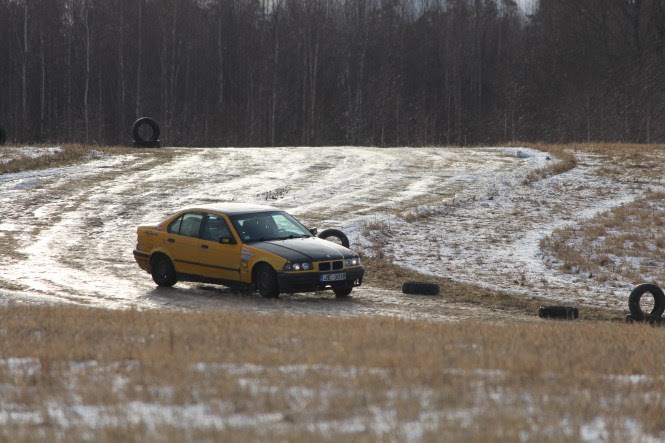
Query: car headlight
{"points": [[354, 261], [298, 267]]}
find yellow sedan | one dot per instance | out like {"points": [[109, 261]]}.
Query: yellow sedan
{"points": [[245, 246]]}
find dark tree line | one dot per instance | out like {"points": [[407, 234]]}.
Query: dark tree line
{"points": [[316, 72]]}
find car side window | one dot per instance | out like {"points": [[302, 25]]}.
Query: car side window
{"points": [[215, 228], [191, 224], [174, 227]]}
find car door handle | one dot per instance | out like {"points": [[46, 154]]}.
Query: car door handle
{"points": [[204, 246], [170, 240]]}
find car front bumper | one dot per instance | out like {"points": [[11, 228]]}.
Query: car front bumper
{"points": [[290, 282]]}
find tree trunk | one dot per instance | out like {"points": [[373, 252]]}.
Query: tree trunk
{"points": [[121, 67], [42, 101], [24, 72], [85, 15], [138, 62]]}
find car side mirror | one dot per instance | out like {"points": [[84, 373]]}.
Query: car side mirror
{"points": [[226, 240], [314, 231]]}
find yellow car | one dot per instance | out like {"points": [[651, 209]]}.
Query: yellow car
{"points": [[245, 246]]}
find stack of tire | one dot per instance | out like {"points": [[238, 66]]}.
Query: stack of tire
{"points": [[635, 307], [150, 142]]}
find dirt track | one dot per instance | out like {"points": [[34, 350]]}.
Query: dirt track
{"points": [[68, 232]]}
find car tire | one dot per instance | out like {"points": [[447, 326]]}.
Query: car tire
{"points": [[562, 312], [162, 271], [342, 291], [153, 142], [636, 296], [420, 288], [3, 136], [266, 283], [332, 232]]}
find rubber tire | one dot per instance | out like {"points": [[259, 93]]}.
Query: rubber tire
{"points": [[3, 136], [420, 288], [266, 283], [342, 291], [140, 141], [162, 271], [562, 312], [332, 232], [634, 302]]}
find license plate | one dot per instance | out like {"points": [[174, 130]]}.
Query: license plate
{"points": [[334, 277]]}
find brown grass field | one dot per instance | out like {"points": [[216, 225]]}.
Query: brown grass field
{"points": [[70, 373]]}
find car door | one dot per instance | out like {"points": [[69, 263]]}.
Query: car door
{"points": [[184, 243], [220, 250]]}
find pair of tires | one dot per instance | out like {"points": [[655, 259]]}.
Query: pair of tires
{"points": [[138, 130], [163, 273], [561, 312]]}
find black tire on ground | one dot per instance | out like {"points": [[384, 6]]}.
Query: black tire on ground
{"points": [[342, 291], [414, 287], [162, 271], [3, 136], [153, 142], [332, 232], [565, 312], [636, 296], [266, 283]]}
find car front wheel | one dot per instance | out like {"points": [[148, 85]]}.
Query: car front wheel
{"points": [[162, 271], [342, 291], [266, 282]]}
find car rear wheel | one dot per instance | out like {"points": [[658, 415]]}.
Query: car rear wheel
{"points": [[266, 282], [342, 291], [162, 271]]}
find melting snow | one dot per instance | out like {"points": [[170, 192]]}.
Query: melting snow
{"points": [[458, 212]]}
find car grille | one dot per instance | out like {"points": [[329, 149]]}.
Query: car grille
{"points": [[335, 265]]}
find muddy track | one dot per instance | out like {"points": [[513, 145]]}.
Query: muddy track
{"points": [[68, 232]]}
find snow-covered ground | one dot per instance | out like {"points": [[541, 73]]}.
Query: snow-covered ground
{"points": [[463, 213]]}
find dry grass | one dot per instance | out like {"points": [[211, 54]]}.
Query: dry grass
{"points": [[386, 275], [630, 155], [68, 154], [624, 243], [74, 373], [563, 160]]}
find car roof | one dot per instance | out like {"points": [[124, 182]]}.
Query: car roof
{"points": [[233, 208]]}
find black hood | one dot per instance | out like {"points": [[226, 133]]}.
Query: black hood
{"points": [[305, 249]]}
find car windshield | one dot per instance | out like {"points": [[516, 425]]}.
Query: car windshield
{"points": [[266, 226]]}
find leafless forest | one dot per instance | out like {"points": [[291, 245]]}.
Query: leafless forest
{"points": [[321, 72]]}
